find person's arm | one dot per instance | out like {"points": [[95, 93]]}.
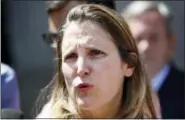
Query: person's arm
{"points": [[10, 90], [14, 101]]}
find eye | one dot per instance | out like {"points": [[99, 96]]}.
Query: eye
{"points": [[71, 57], [96, 53]]}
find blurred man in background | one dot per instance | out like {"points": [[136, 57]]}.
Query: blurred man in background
{"points": [[150, 23], [57, 12], [9, 88]]}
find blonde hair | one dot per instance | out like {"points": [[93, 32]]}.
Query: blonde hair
{"points": [[137, 94]]}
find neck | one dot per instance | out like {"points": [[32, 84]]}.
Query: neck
{"points": [[108, 110], [153, 72]]}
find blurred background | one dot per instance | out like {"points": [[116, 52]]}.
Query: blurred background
{"points": [[22, 47]]}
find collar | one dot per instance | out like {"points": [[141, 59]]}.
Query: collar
{"points": [[159, 78]]}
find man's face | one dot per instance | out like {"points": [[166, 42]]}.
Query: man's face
{"points": [[153, 41], [57, 18]]}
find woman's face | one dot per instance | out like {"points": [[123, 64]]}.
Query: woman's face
{"points": [[91, 65]]}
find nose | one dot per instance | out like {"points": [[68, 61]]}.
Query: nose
{"points": [[82, 67]]}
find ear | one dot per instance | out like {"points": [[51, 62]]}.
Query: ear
{"points": [[129, 67], [129, 71]]}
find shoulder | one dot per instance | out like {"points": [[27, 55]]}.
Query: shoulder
{"points": [[6, 69], [176, 77], [46, 111], [175, 71], [7, 73]]}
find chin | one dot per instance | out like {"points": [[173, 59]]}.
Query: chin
{"points": [[86, 103]]}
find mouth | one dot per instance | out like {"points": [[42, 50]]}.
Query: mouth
{"points": [[84, 87]]}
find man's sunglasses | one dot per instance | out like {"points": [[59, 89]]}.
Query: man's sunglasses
{"points": [[51, 38]]}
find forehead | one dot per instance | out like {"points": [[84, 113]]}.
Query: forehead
{"points": [[87, 28], [148, 22], [86, 33], [139, 28], [153, 19], [136, 25]]}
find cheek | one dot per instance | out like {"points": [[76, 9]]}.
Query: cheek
{"points": [[68, 73], [109, 76], [161, 48]]}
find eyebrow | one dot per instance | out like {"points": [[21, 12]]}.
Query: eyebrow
{"points": [[88, 47], [87, 44]]}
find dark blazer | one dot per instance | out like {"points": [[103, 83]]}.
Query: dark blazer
{"points": [[171, 94]]}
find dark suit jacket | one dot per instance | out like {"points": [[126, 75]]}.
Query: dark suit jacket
{"points": [[171, 94]]}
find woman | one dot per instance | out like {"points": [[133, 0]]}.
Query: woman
{"points": [[99, 72]]}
